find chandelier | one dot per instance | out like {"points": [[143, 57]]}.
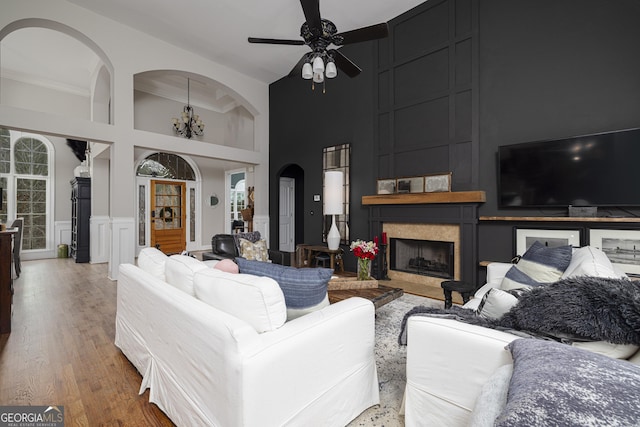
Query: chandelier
{"points": [[189, 123]]}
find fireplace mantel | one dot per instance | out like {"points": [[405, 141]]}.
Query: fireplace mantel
{"points": [[425, 198]]}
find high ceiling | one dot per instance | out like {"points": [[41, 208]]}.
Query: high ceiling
{"points": [[218, 29]]}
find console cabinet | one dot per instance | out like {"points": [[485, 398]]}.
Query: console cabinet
{"points": [[6, 282], [80, 214]]}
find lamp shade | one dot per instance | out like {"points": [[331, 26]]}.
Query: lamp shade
{"points": [[333, 193]]}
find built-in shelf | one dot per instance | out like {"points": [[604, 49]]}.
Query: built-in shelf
{"points": [[425, 198], [559, 219]]}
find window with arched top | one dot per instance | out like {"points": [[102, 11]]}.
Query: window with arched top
{"points": [[166, 165], [25, 165]]}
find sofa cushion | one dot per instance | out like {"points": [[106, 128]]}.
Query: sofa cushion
{"points": [[179, 271], [153, 261], [257, 251], [616, 351], [590, 261], [496, 303], [303, 288], [556, 384], [256, 300], [539, 264]]}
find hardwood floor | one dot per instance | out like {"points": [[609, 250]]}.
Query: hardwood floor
{"points": [[60, 350]]}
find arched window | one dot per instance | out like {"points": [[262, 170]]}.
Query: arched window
{"points": [[166, 165], [24, 178]]}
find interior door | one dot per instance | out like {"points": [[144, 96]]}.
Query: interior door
{"points": [[287, 215], [168, 231]]}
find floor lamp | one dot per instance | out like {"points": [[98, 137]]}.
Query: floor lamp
{"points": [[333, 204]]}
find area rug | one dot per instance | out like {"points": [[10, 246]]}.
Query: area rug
{"points": [[391, 362]]}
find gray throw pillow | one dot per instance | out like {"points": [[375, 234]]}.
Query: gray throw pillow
{"points": [[555, 384], [539, 264]]}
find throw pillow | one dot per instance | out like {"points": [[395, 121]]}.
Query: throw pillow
{"points": [[556, 384], [496, 303], [302, 287], [589, 308], [539, 264], [257, 251], [590, 261], [228, 266]]}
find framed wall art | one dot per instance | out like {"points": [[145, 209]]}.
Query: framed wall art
{"points": [[410, 185], [436, 183], [622, 247], [525, 237], [386, 186]]}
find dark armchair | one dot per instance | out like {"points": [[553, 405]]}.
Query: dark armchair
{"points": [[227, 246]]}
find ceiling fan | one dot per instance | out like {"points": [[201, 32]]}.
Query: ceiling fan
{"points": [[319, 34]]}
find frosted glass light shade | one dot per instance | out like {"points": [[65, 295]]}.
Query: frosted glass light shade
{"points": [[307, 71], [318, 65], [333, 193], [318, 77], [331, 70]]}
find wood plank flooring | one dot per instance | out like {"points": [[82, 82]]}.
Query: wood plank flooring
{"points": [[60, 350]]}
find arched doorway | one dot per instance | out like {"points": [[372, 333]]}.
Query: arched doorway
{"points": [[167, 195]]}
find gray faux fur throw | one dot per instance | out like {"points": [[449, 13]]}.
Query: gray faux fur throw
{"points": [[582, 308], [593, 308]]}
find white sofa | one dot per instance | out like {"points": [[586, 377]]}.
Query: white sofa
{"points": [[240, 363], [448, 362]]}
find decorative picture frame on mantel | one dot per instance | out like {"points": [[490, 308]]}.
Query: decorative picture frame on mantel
{"points": [[622, 247], [386, 186], [413, 184], [525, 237], [437, 183]]}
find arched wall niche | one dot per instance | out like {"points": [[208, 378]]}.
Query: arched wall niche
{"points": [[100, 70], [161, 95]]}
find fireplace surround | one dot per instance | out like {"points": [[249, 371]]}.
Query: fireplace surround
{"points": [[449, 216]]}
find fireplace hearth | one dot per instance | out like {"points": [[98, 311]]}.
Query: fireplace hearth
{"points": [[422, 257]]}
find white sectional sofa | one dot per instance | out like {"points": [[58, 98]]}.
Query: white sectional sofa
{"points": [[215, 349], [449, 361]]}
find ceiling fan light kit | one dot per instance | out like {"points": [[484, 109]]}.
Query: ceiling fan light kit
{"points": [[319, 34]]}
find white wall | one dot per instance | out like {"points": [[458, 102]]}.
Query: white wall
{"points": [[121, 46]]}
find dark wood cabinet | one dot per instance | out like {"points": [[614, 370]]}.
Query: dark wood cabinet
{"points": [[6, 282], [80, 214]]}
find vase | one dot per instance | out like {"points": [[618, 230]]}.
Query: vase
{"points": [[364, 269]]}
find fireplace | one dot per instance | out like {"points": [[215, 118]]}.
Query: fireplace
{"points": [[423, 257]]}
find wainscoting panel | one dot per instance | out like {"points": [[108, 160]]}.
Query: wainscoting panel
{"points": [[99, 243], [122, 248]]}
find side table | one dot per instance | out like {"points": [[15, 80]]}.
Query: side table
{"points": [[465, 289]]}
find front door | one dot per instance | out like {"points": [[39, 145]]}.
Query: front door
{"points": [[168, 216]]}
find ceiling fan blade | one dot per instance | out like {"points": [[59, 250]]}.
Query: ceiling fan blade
{"points": [[297, 69], [345, 64], [311, 9], [276, 41], [378, 31]]}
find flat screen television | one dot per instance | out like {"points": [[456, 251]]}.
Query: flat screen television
{"points": [[590, 170]]}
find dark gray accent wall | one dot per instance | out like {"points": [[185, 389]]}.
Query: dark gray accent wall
{"points": [[554, 69], [425, 121], [455, 80]]}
